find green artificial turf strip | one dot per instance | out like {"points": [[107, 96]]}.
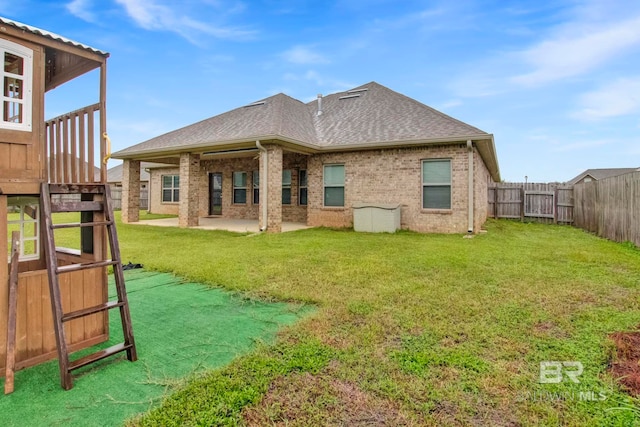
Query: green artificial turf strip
{"points": [[181, 330]]}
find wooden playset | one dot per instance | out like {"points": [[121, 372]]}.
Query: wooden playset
{"points": [[59, 303]]}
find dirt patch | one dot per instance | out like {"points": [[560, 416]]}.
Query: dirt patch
{"points": [[305, 399], [626, 365]]}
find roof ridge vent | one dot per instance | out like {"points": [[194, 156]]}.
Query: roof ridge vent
{"points": [[355, 95], [364, 89], [255, 104]]}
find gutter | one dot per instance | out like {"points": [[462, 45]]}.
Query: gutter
{"points": [[471, 192], [264, 184]]}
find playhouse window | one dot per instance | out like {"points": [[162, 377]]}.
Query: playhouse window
{"points": [[15, 79], [24, 216]]}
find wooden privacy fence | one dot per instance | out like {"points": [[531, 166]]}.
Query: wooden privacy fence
{"points": [[547, 203], [610, 207], [70, 147], [116, 198]]}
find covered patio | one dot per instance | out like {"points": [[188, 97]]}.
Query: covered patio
{"points": [[243, 187], [228, 224]]}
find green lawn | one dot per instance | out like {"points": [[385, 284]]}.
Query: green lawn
{"points": [[411, 328]]}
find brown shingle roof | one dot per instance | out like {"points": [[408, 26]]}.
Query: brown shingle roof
{"points": [[598, 174], [367, 116], [374, 115], [114, 174]]}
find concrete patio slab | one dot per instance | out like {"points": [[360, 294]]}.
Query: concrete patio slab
{"points": [[214, 223]]}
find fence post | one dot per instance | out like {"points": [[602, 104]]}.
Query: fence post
{"points": [[555, 205]]}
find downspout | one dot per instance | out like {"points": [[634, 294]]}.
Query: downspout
{"points": [[471, 192], [264, 181]]}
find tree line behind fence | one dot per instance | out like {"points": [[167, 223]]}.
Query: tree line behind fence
{"points": [[609, 207]]}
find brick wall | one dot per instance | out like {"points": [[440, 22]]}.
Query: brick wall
{"points": [[130, 200], [393, 176], [226, 167], [189, 186], [156, 205], [292, 213], [482, 178], [377, 176]]}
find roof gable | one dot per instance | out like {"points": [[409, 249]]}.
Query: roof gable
{"points": [[374, 113]]}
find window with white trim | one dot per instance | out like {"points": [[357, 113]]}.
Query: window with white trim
{"points": [[333, 178], [24, 216], [16, 82], [286, 187], [240, 188], [256, 187], [170, 188], [302, 187], [436, 184]]}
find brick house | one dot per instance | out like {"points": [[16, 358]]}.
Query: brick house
{"points": [[314, 161]]}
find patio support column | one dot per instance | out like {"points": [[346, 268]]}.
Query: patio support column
{"points": [[189, 183], [274, 191], [130, 191]]}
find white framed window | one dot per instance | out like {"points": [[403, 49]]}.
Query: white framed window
{"points": [[16, 80], [302, 187], [170, 188], [333, 178], [24, 216], [436, 184], [256, 187], [240, 188], [286, 187]]}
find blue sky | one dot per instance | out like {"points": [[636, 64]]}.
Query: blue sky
{"points": [[556, 82]]}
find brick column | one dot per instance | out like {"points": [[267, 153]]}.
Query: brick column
{"points": [[189, 182], [130, 191], [273, 198]]}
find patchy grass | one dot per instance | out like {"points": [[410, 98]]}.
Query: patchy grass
{"points": [[434, 329]]}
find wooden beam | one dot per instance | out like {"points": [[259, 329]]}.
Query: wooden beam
{"points": [[69, 74], [10, 364], [105, 151]]}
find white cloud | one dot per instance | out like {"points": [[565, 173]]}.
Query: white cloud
{"points": [[81, 9], [304, 55], [154, 16], [619, 98], [577, 48]]}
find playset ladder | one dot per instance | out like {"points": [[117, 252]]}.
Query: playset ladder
{"points": [[94, 198]]}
